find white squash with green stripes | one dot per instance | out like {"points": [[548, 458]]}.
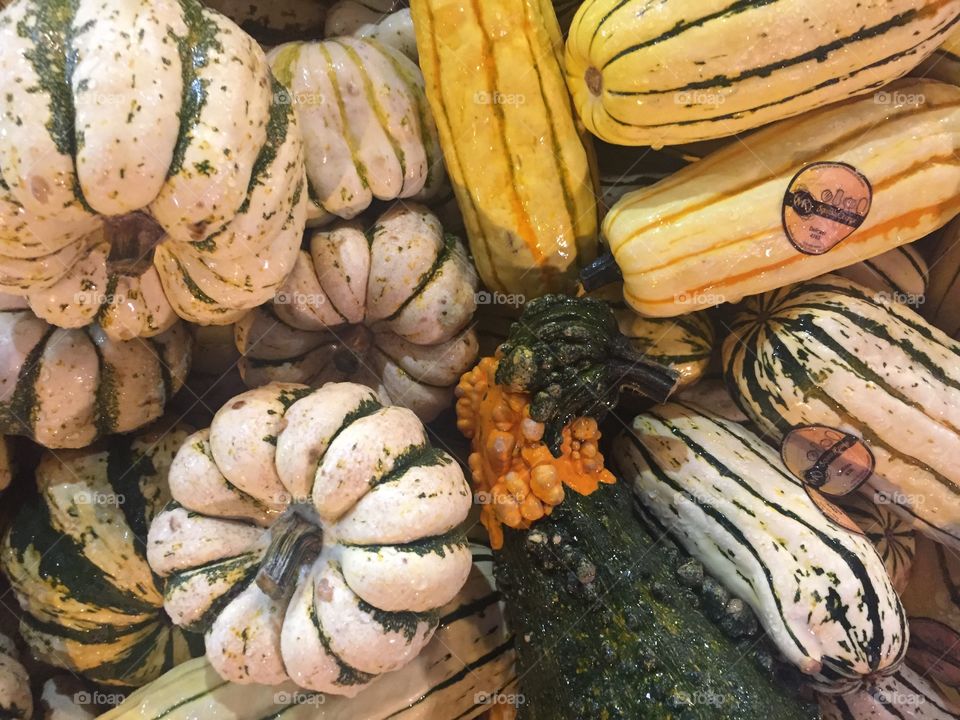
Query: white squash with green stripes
{"points": [[368, 132], [820, 591], [76, 561], [314, 535], [904, 694], [165, 110], [16, 702], [390, 307], [65, 388], [830, 352]]}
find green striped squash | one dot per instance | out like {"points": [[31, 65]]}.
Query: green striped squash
{"points": [[65, 388], [75, 558], [820, 590], [368, 133], [833, 353], [904, 694], [694, 70], [900, 274], [469, 660], [164, 110], [16, 703], [942, 307]]}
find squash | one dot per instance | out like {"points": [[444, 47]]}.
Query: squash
{"points": [[832, 353], [943, 298], [469, 659], [893, 538], [667, 75], [944, 64], [65, 388], [684, 344], [900, 274], [609, 624], [75, 558], [820, 590], [364, 19], [313, 537], [932, 600], [519, 166], [368, 133], [389, 306], [16, 702], [753, 217], [221, 180], [904, 694]]}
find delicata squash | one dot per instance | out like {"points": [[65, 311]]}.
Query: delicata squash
{"points": [[683, 70], [165, 110], [313, 536], [804, 197]]}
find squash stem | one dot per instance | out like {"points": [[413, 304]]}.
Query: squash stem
{"points": [[296, 540]]}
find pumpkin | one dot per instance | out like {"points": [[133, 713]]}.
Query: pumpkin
{"points": [[376, 20], [205, 153], [313, 537], [942, 307], [64, 388], [367, 130], [76, 560], [389, 307], [16, 703]]}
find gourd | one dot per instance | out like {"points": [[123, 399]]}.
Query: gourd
{"points": [[900, 274], [942, 307], [932, 600], [65, 388], [747, 219], [518, 164], [367, 131], [622, 619], [16, 702], [819, 589], [386, 24], [216, 171], [832, 353], [667, 76], [469, 658], [905, 694], [389, 306], [893, 538], [314, 535], [944, 64], [75, 558]]}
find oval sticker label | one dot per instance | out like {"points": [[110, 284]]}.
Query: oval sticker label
{"points": [[829, 460], [824, 203]]}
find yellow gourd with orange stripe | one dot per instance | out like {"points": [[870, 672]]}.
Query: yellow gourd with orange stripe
{"points": [[514, 151], [795, 200]]}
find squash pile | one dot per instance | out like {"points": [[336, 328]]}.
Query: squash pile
{"points": [[448, 359]]}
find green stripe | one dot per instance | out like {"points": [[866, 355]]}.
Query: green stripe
{"points": [[21, 413], [242, 569], [344, 120], [434, 271]]}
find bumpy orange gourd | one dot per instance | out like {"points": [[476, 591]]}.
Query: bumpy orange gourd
{"points": [[515, 476]]}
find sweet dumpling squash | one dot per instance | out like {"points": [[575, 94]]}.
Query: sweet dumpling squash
{"points": [[65, 388], [205, 149], [314, 534], [76, 561], [389, 307]]}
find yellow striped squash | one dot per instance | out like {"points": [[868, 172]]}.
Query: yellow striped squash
{"points": [[670, 72], [942, 306], [514, 151], [804, 197], [944, 64]]}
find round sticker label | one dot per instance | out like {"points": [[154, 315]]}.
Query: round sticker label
{"points": [[832, 461], [824, 203]]}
